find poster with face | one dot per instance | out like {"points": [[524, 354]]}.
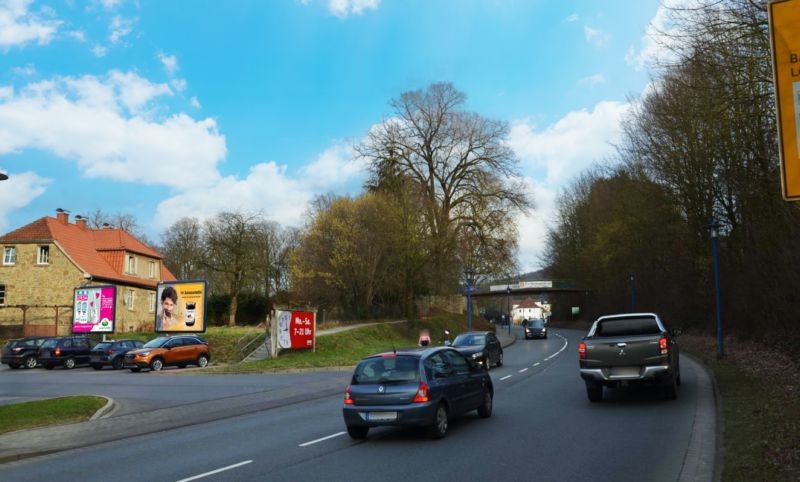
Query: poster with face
{"points": [[180, 307], [94, 309]]}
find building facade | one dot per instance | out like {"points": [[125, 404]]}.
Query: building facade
{"points": [[44, 261]]}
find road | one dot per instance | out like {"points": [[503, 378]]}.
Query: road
{"points": [[543, 428]]}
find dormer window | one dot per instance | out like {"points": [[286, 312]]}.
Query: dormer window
{"points": [[131, 264], [152, 270], [44, 255]]}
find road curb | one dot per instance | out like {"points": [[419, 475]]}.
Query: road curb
{"points": [[703, 459], [106, 409]]}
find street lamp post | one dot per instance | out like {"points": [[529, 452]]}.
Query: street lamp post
{"points": [[508, 294], [633, 292], [469, 273], [713, 227]]}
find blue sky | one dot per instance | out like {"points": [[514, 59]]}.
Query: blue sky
{"points": [[164, 109]]}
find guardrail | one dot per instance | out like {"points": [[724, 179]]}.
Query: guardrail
{"points": [[247, 343]]}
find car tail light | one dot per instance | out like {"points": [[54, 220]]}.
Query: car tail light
{"points": [[582, 351], [662, 345], [348, 400], [422, 393], [109, 352], [58, 351]]}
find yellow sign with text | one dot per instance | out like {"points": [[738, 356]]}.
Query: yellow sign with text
{"points": [[784, 27]]}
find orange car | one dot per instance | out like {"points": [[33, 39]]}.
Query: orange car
{"points": [[164, 351]]}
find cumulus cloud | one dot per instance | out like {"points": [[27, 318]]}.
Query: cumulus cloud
{"points": [[598, 38], [27, 71], [337, 165], [194, 102], [572, 18], [534, 225], [345, 8], [593, 80], [17, 192], [105, 125], [662, 32], [19, 26], [99, 51], [170, 62], [119, 28]]}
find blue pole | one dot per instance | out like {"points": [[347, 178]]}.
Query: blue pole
{"points": [[720, 343], [508, 290], [469, 303]]}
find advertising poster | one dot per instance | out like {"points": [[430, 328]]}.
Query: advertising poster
{"points": [[296, 329], [181, 306], [93, 309]]}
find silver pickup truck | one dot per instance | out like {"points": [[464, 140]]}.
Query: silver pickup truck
{"points": [[629, 349]]}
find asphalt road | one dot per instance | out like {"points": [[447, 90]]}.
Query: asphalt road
{"points": [[543, 428]]}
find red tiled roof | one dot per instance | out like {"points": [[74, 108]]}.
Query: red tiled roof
{"points": [[528, 303], [99, 252], [166, 274]]}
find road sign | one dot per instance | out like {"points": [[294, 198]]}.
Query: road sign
{"points": [[784, 28]]}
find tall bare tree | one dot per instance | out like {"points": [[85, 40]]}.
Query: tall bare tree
{"points": [[183, 248]]}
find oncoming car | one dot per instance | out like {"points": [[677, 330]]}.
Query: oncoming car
{"points": [[422, 387]]}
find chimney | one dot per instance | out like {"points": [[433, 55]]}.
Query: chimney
{"points": [[80, 221], [62, 216]]}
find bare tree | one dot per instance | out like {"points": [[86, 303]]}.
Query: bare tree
{"points": [[182, 248]]}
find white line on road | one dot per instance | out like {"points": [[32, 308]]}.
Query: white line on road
{"points": [[223, 469], [506, 377], [523, 370], [322, 439], [537, 364]]}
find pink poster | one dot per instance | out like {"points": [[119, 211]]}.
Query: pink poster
{"points": [[94, 309]]}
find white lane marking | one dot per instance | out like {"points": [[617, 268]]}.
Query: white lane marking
{"points": [[322, 439], [223, 469], [523, 370], [537, 364], [506, 377]]}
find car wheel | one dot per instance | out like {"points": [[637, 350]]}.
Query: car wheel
{"points": [[357, 433], [30, 362], [118, 363], [485, 410], [440, 422], [500, 360], [202, 361], [156, 365], [136, 369], [595, 393], [69, 363], [671, 390], [96, 366], [48, 366]]}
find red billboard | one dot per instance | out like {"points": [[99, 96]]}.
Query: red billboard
{"points": [[296, 329]]}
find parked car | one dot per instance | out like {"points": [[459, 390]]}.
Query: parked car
{"points": [[23, 352], [180, 351], [482, 347], [112, 353], [66, 351], [422, 387], [534, 329]]}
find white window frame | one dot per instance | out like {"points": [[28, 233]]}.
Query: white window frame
{"points": [[131, 300], [152, 269], [131, 264], [151, 302], [3, 294], [43, 255], [9, 260]]}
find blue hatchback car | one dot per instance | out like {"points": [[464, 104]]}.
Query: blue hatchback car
{"points": [[422, 387]]}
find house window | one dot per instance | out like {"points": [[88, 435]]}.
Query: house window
{"points": [[44, 255], [151, 302], [10, 255], [152, 270], [131, 300], [132, 264], [2, 295]]}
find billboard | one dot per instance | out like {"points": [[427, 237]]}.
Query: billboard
{"points": [[94, 309], [296, 329], [181, 307]]}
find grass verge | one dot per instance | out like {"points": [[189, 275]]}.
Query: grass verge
{"points": [[55, 411], [760, 409]]}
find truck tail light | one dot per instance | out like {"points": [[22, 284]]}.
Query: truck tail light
{"points": [[348, 400], [662, 345], [58, 351], [422, 393], [582, 351]]}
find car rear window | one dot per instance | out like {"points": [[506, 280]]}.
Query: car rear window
{"points": [[393, 369], [102, 345], [627, 326], [469, 339]]}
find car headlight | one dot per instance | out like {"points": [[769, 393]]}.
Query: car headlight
{"points": [[527, 330], [144, 353], [544, 330]]}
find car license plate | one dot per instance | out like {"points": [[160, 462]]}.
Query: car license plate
{"points": [[382, 416], [625, 371], [95, 358]]}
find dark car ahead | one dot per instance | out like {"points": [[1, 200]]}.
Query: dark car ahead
{"points": [[482, 347], [67, 351], [422, 387], [534, 329], [23, 352], [112, 353]]}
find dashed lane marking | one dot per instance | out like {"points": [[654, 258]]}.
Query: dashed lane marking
{"points": [[506, 377], [322, 439], [223, 469]]}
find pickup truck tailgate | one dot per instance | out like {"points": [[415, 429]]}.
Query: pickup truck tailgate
{"points": [[623, 353]]}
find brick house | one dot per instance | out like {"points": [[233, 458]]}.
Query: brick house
{"points": [[44, 261]]}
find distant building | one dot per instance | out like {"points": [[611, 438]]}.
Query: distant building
{"points": [[44, 261], [530, 310]]}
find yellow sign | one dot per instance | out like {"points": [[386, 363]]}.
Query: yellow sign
{"points": [[784, 27], [181, 306]]}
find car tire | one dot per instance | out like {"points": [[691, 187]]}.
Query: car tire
{"points": [[357, 433], [69, 363], [485, 410], [48, 366], [440, 422], [202, 361], [595, 393], [118, 363], [500, 360], [96, 366], [31, 362], [156, 365], [136, 369]]}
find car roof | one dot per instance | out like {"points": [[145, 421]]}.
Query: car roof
{"points": [[475, 333], [420, 352]]}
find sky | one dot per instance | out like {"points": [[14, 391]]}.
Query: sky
{"points": [[166, 109]]}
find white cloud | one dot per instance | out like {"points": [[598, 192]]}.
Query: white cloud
{"points": [[593, 80], [170, 62], [344, 8], [105, 126], [660, 35], [19, 26], [109, 4], [178, 84], [78, 35], [337, 165], [99, 51], [27, 71], [598, 38], [533, 227], [119, 28], [194, 102], [572, 18], [17, 192]]}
